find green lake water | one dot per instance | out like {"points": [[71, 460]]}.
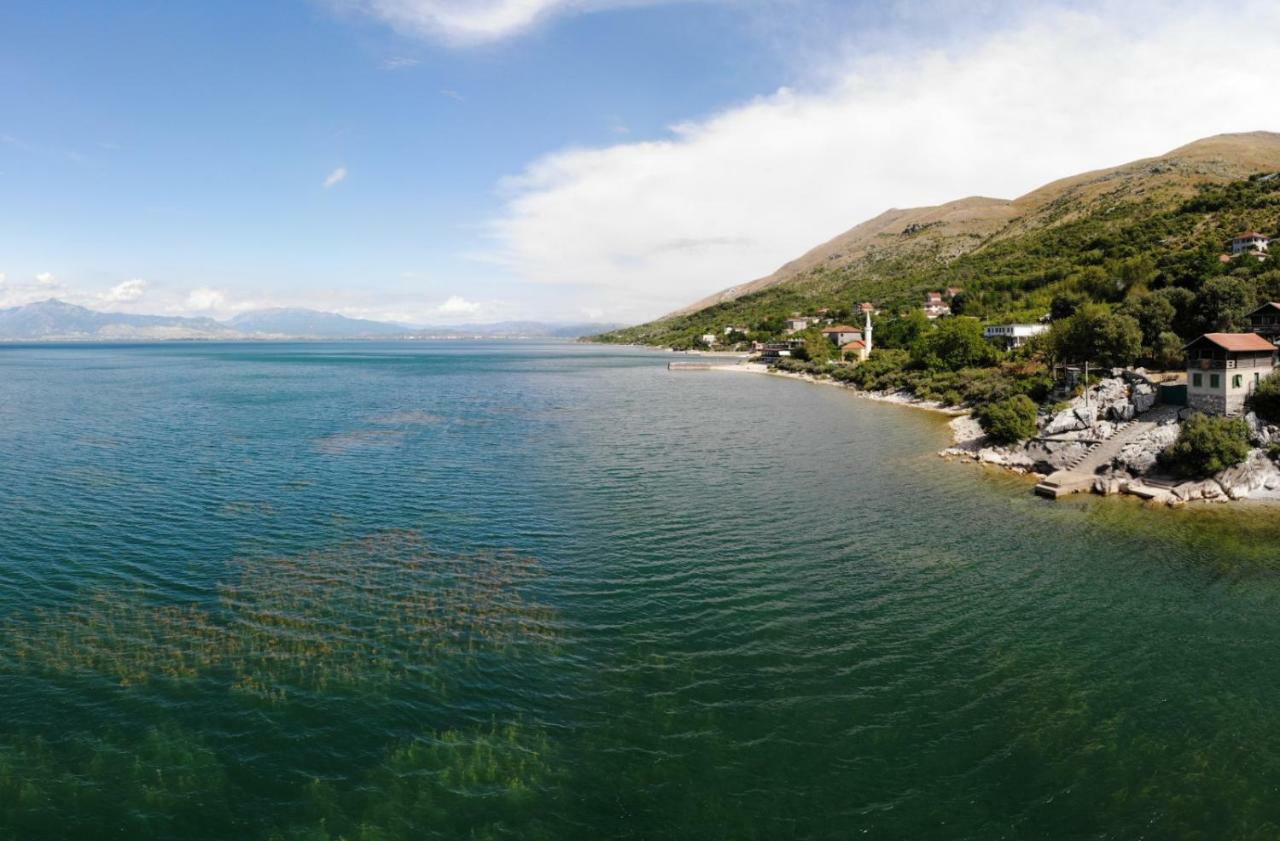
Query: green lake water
{"points": [[547, 591]]}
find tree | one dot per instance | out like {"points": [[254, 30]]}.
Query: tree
{"points": [[1265, 400], [1186, 321], [1099, 337], [817, 347], [1223, 304], [1154, 314], [1207, 445], [1009, 421], [1065, 304], [1166, 352], [954, 344], [901, 331]]}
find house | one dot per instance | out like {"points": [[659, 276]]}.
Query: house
{"points": [[709, 339], [1223, 369], [842, 334], [731, 330], [797, 323], [1249, 241], [934, 305], [1265, 320], [776, 351], [1013, 335]]}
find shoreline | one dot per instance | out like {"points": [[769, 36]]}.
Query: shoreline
{"points": [[897, 398], [969, 443]]}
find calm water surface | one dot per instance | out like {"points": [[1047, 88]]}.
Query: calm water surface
{"points": [[407, 591]]}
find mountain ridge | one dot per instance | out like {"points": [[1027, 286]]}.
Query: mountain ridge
{"points": [[57, 320], [942, 233]]}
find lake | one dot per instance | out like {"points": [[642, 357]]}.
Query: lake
{"points": [[532, 590]]}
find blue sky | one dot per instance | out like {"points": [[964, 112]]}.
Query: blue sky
{"points": [[456, 160]]}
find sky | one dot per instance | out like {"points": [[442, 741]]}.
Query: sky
{"points": [[453, 161]]}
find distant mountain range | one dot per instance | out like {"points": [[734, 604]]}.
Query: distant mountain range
{"points": [[55, 320]]}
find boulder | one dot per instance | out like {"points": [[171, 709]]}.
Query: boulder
{"points": [[1070, 420], [1139, 456], [1143, 397], [1258, 472]]}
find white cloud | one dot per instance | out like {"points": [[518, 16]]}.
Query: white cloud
{"points": [[124, 292], [457, 305], [653, 225], [336, 177], [204, 300], [46, 279], [2, 277], [475, 21]]}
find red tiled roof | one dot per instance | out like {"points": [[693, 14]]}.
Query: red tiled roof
{"points": [[841, 328], [1237, 342], [854, 345], [1249, 235]]}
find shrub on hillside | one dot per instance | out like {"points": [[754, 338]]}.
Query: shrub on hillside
{"points": [[1009, 421], [954, 344], [1207, 445], [1266, 398]]}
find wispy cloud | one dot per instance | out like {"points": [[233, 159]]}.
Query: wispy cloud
{"points": [[452, 94], [399, 62], [46, 279], [476, 21], [336, 177], [729, 197]]}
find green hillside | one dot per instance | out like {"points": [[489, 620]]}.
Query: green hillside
{"points": [[1114, 238]]}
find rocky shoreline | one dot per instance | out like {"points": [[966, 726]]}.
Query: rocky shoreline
{"points": [[1125, 400], [1118, 402]]}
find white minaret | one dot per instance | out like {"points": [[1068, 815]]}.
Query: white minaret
{"points": [[866, 338]]}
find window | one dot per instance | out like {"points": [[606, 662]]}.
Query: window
{"points": [[1196, 380], [1213, 380], [1236, 381]]}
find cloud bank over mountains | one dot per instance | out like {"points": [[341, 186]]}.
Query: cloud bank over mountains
{"points": [[642, 227]]}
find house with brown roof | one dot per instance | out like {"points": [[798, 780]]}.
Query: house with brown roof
{"points": [[842, 334], [1223, 369]]}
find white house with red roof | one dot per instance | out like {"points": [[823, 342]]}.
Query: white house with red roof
{"points": [[1250, 242], [1223, 369], [842, 334]]}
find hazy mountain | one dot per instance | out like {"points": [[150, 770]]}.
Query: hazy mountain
{"points": [[54, 319], [312, 323]]}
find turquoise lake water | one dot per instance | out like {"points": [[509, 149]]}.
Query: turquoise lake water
{"points": [[520, 590]]}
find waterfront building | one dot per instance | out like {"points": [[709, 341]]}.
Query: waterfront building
{"points": [[1223, 369]]}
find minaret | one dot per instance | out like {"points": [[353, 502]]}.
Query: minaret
{"points": [[866, 338]]}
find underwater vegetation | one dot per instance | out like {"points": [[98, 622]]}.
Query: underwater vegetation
{"points": [[346, 630], [385, 609]]}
